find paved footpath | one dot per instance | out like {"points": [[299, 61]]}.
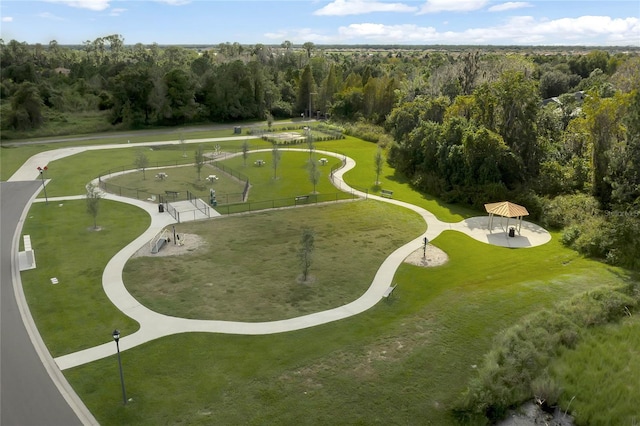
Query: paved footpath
{"points": [[154, 325]]}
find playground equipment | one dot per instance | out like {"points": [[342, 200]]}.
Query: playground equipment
{"points": [[159, 241]]}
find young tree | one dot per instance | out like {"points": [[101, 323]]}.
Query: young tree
{"points": [[314, 174], [305, 253], [199, 160], [275, 158], [378, 162], [93, 202], [141, 162], [245, 151]]}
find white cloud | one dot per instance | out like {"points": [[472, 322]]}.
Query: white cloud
{"points": [[47, 15], [117, 11], [7, 19], [521, 30], [280, 35], [360, 7], [406, 33], [435, 6], [97, 5], [300, 35], [174, 2], [510, 5]]}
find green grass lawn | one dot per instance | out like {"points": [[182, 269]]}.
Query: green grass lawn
{"points": [[70, 174], [405, 361], [363, 177], [290, 179], [76, 314], [180, 179], [233, 277]]}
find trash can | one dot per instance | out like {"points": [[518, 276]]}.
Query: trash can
{"points": [[237, 130], [161, 208], [512, 232]]}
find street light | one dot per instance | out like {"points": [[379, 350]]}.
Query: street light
{"points": [[116, 337], [42, 170], [424, 247]]}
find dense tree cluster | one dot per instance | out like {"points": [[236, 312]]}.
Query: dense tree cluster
{"points": [[572, 160], [544, 128]]}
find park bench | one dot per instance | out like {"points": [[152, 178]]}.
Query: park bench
{"points": [[301, 198], [173, 194], [389, 291], [386, 193]]}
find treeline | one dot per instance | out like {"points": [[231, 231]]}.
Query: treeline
{"points": [[555, 131], [573, 161]]}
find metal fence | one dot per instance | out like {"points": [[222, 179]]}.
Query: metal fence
{"points": [[173, 212], [199, 204], [135, 193], [300, 200]]}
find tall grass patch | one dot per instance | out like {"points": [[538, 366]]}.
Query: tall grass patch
{"points": [[599, 377], [517, 365], [247, 268]]}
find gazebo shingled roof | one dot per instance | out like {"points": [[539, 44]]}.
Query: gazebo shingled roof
{"points": [[508, 210]]}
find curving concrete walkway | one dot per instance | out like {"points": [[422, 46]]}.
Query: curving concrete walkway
{"points": [[154, 325]]}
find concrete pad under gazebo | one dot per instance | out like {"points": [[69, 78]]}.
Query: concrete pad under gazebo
{"points": [[531, 235], [508, 210]]}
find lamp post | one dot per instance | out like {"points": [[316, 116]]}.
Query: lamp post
{"points": [[116, 337], [424, 247], [42, 170]]}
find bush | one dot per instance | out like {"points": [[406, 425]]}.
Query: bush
{"points": [[566, 210], [546, 392], [570, 234], [367, 131], [516, 367]]}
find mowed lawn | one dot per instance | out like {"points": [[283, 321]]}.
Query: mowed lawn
{"points": [[248, 268], [406, 361], [180, 179]]}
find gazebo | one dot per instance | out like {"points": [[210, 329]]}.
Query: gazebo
{"points": [[508, 210]]}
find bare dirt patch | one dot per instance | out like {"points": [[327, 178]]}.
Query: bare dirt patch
{"points": [[188, 243], [433, 256]]}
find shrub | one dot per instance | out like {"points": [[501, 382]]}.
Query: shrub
{"points": [[570, 234], [366, 131], [567, 210], [546, 392], [515, 369]]}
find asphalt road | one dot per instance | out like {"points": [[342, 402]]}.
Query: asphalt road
{"points": [[28, 395]]}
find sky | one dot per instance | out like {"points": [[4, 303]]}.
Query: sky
{"points": [[347, 22]]}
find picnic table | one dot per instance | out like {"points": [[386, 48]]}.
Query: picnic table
{"points": [[323, 161], [259, 163], [212, 178], [162, 176]]}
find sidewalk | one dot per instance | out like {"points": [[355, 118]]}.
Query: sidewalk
{"points": [[154, 325]]}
